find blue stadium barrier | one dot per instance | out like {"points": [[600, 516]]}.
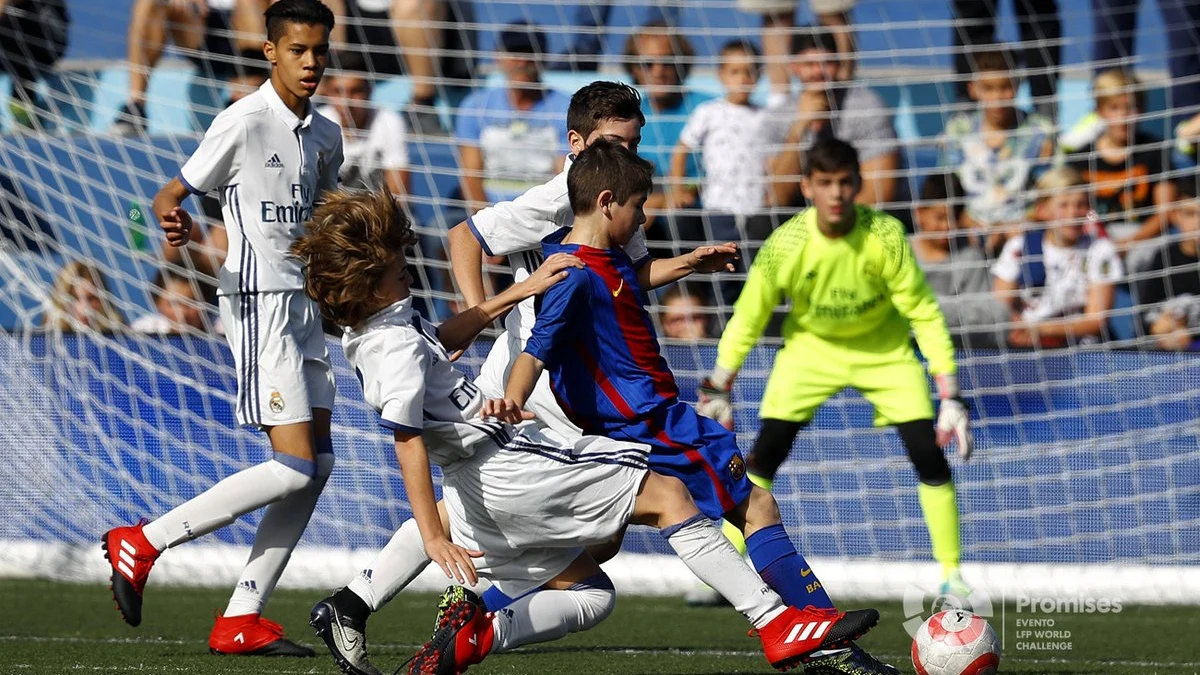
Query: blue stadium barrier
{"points": [[1071, 466], [78, 184]]}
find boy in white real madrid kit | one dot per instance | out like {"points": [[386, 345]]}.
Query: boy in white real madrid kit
{"points": [[268, 157], [522, 501]]}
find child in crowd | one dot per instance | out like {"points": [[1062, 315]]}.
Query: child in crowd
{"points": [[996, 150], [727, 132], [955, 270], [1058, 278], [179, 306], [687, 312], [1171, 292], [80, 301], [1126, 167]]}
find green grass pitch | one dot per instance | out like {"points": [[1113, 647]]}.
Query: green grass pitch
{"points": [[52, 629]]}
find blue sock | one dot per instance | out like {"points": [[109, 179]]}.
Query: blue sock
{"points": [[495, 599], [785, 570]]}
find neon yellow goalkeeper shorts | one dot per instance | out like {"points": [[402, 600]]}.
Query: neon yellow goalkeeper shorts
{"points": [[809, 370]]}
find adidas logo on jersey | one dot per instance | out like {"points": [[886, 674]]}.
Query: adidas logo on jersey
{"points": [[249, 585], [274, 162]]}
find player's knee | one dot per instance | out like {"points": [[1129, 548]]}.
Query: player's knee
{"points": [[772, 446], [292, 473], [927, 458], [595, 598], [668, 499]]}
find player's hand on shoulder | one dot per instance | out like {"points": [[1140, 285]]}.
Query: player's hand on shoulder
{"points": [[709, 259], [454, 560], [176, 223], [505, 410], [552, 271]]}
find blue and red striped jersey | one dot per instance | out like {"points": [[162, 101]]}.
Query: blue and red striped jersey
{"points": [[597, 341]]}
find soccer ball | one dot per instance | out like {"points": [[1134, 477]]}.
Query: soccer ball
{"points": [[955, 642]]}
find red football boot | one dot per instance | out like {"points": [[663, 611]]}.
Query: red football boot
{"points": [[131, 557], [252, 635], [463, 639], [795, 634]]}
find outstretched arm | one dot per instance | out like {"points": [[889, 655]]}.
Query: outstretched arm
{"points": [[458, 331], [704, 260]]}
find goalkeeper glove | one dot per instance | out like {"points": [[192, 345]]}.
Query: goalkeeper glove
{"points": [[715, 397], [953, 422]]}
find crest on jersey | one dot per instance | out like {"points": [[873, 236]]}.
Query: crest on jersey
{"points": [[737, 467], [276, 402]]}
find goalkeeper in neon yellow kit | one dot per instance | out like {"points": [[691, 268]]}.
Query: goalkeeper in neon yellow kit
{"points": [[856, 292]]}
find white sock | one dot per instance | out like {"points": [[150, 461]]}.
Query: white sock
{"points": [[278, 532], [710, 556], [548, 615], [393, 568], [218, 506]]}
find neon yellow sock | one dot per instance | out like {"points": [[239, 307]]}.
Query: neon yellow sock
{"points": [[764, 483], [734, 535], [940, 506]]}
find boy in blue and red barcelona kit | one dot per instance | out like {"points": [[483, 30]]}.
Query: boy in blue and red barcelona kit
{"points": [[596, 340]]}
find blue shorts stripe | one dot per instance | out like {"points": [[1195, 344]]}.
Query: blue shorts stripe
{"points": [[635, 461], [625, 453]]}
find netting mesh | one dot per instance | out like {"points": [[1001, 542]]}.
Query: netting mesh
{"points": [[1088, 453]]}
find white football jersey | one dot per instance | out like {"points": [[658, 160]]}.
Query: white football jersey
{"points": [[516, 229], [268, 167], [407, 376]]}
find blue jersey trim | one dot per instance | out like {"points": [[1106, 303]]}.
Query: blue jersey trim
{"points": [[189, 186], [395, 426], [471, 225]]}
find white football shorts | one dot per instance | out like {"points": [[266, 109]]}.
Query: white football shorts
{"points": [[280, 357], [533, 504]]}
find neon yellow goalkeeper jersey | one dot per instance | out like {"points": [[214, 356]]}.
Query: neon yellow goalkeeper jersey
{"points": [[864, 289]]}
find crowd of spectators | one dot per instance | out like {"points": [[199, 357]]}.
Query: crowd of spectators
{"points": [[1029, 236]]}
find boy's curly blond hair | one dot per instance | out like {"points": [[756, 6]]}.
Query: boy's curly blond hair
{"points": [[347, 247]]}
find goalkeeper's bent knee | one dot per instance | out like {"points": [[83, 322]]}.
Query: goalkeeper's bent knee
{"points": [[774, 443], [920, 441]]}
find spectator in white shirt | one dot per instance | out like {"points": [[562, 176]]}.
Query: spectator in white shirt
{"points": [[1057, 277], [374, 139], [727, 132]]}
